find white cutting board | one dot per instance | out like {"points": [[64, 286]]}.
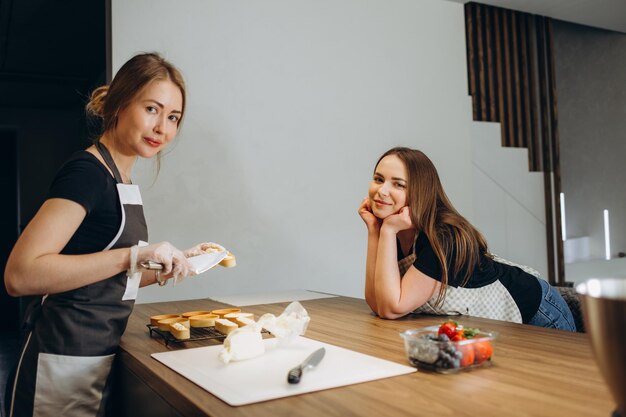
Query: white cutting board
{"points": [[265, 377]]}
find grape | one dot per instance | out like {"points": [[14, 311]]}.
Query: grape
{"points": [[424, 350], [443, 337], [435, 350]]}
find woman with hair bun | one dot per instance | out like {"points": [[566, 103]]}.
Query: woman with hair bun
{"points": [[82, 250], [423, 256]]}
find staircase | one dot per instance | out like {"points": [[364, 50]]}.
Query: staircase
{"points": [[509, 206]]}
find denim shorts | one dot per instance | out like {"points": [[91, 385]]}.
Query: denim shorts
{"points": [[553, 311]]}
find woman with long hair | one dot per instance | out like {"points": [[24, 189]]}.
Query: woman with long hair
{"points": [[423, 256]]}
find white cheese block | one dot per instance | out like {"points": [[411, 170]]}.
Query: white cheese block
{"points": [[242, 344]]}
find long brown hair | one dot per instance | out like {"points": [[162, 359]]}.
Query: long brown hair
{"points": [[108, 100], [433, 214]]}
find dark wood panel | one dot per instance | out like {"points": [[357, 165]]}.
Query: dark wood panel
{"points": [[555, 152], [525, 86], [518, 99], [131, 392], [492, 102], [470, 30], [509, 139], [511, 79], [544, 104], [500, 74], [534, 148], [482, 70]]}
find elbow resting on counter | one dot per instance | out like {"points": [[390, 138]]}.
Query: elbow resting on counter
{"points": [[390, 314], [385, 312]]}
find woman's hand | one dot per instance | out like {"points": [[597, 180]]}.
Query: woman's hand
{"points": [[365, 211], [175, 264], [399, 221]]}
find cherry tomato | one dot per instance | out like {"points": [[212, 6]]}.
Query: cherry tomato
{"points": [[468, 355], [448, 328], [460, 335], [482, 351]]}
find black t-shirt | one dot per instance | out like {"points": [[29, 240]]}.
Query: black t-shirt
{"points": [[523, 287], [86, 181]]}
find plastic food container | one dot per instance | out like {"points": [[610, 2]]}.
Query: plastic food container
{"points": [[426, 350]]}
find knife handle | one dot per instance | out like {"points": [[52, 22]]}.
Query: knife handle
{"points": [[151, 265], [294, 375]]}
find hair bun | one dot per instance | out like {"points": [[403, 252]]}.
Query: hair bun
{"points": [[96, 101]]}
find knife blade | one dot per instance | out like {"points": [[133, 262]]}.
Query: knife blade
{"points": [[295, 374], [199, 263], [204, 262]]}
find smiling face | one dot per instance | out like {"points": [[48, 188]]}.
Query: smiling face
{"points": [[388, 189], [150, 121]]}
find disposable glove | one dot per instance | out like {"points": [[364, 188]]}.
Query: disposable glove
{"points": [[202, 248], [175, 264]]}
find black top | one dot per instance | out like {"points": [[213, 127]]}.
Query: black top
{"points": [[84, 180], [523, 287]]}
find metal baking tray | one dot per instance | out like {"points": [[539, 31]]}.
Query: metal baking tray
{"points": [[197, 333]]}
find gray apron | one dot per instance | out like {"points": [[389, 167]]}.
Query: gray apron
{"points": [[492, 301], [72, 338]]}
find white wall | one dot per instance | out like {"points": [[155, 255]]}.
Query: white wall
{"points": [[509, 206], [290, 104]]}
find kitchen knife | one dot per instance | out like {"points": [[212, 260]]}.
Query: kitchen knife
{"points": [[199, 263], [202, 263], [294, 375]]}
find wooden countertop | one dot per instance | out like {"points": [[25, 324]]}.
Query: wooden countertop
{"points": [[536, 371]]}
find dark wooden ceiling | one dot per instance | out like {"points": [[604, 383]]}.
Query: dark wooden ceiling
{"points": [[52, 52]]}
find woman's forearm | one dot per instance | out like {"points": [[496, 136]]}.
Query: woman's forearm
{"points": [[55, 273], [387, 278], [147, 278], [36, 265], [370, 269]]}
